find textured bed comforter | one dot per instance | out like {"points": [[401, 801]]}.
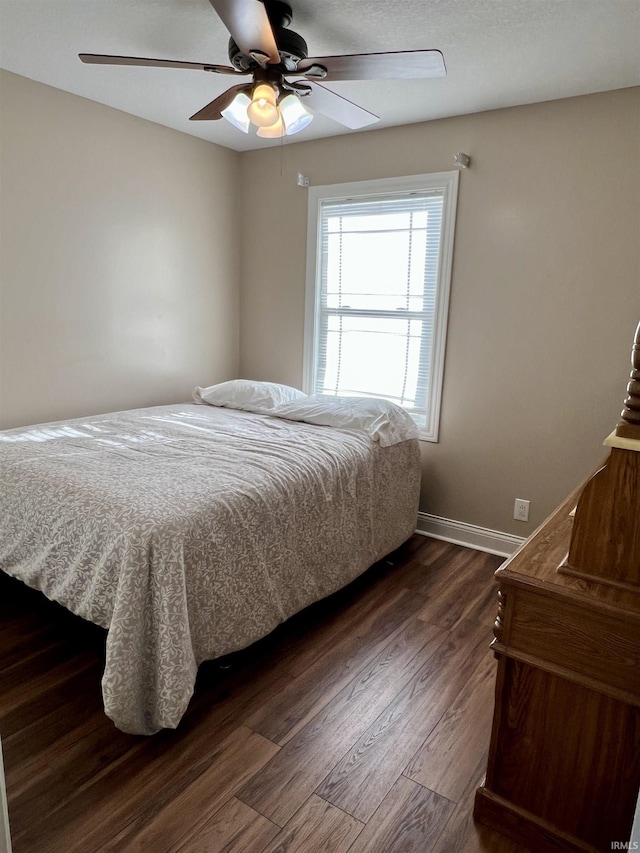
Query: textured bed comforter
{"points": [[190, 532]]}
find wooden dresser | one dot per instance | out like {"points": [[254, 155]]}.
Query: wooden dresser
{"points": [[564, 764]]}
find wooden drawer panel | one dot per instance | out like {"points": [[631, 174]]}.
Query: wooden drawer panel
{"points": [[564, 633], [567, 754]]}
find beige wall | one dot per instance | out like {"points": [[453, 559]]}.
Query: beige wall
{"points": [[545, 290], [119, 258], [120, 243]]}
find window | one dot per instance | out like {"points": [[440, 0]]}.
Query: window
{"points": [[378, 273]]}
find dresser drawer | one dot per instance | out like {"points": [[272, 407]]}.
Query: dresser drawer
{"points": [[589, 644]]}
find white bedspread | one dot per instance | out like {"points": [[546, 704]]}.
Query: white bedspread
{"points": [[190, 532]]}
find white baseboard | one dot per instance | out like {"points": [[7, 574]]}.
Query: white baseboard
{"points": [[470, 535]]}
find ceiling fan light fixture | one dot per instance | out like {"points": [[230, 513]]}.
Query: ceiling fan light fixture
{"points": [[262, 110], [274, 131], [294, 114], [236, 112]]}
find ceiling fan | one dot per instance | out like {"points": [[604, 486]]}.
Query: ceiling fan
{"points": [[262, 48]]}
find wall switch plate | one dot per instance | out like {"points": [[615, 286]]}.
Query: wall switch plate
{"points": [[521, 510]]}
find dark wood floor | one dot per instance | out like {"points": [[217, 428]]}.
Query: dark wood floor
{"points": [[362, 724]]}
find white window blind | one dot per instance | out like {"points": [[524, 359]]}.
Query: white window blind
{"points": [[378, 324]]}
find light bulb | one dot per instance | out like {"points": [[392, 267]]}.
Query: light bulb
{"points": [[294, 115], [236, 112], [262, 110], [274, 131]]}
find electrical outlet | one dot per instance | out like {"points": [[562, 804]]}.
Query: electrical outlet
{"points": [[521, 510]]}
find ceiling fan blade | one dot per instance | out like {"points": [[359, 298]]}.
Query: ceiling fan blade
{"points": [[103, 59], [338, 108], [213, 110], [398, 65], [249, 26]]}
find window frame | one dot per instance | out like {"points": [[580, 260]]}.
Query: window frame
{"points": [[445, 181]]}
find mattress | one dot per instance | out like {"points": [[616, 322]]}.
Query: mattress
{"points": [[191, 531]]}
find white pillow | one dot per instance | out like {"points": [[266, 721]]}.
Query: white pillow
{"points": [[381, 420], [247, 395]]}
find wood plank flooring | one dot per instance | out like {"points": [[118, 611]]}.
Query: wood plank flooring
{"points": [[360, 725]]}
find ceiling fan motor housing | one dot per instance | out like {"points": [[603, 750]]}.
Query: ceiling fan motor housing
{"points": [[291, 46]]}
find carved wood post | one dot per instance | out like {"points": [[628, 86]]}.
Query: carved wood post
{"points": [[629, 426], [605, 540]]}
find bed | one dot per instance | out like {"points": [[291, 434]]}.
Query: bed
{"points": [[190, 531]]}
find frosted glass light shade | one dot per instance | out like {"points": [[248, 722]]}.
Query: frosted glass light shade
{"points": [[294, 115], [274, 131], [236, 112], [262, 110]]}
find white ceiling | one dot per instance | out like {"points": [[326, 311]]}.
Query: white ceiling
{"points": [[498, 53]]}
